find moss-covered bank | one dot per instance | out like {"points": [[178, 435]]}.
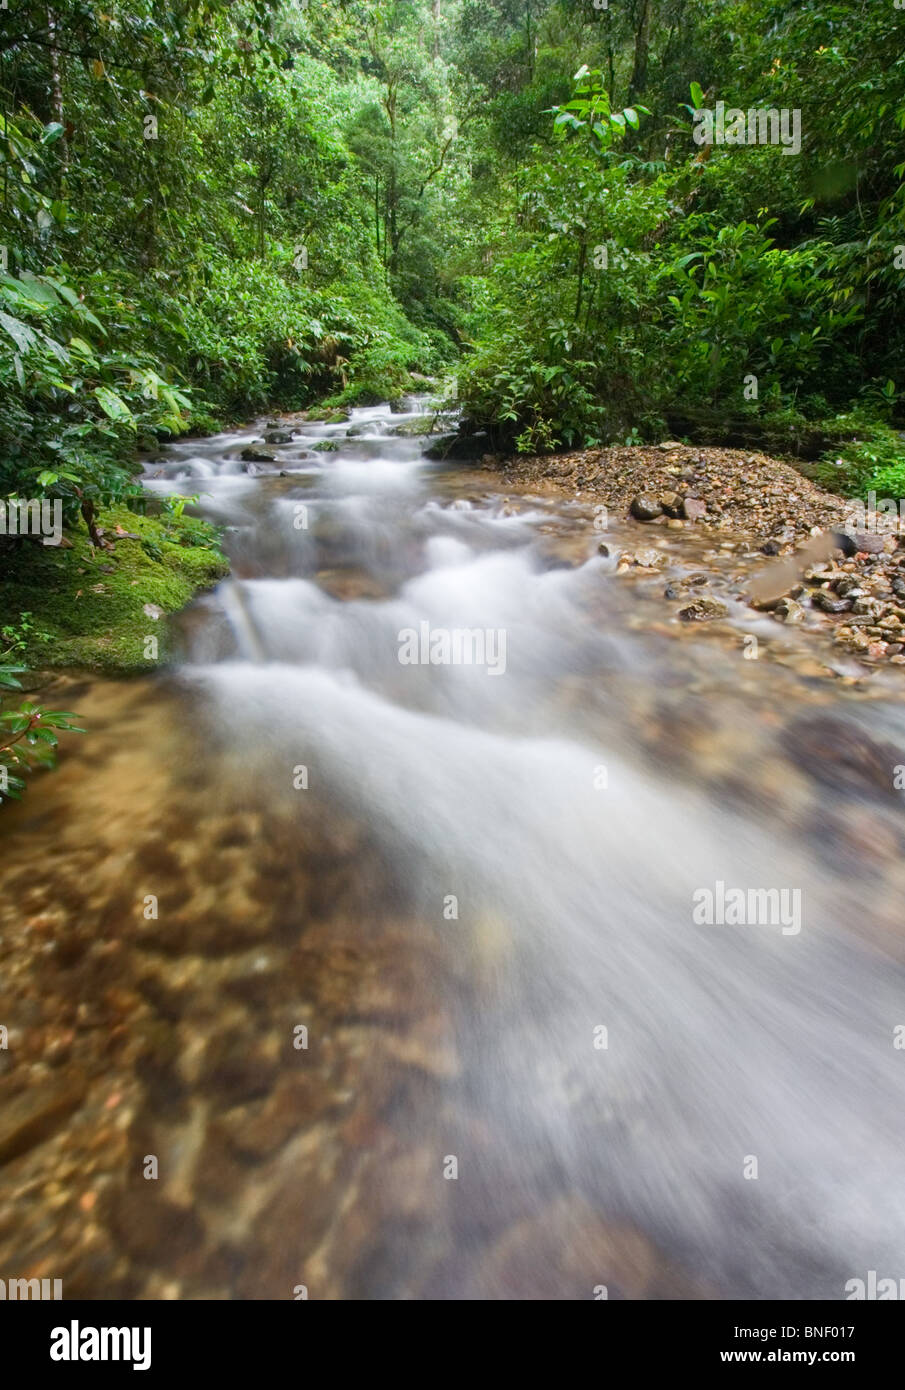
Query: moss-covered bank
{"points": [[94, 608]]}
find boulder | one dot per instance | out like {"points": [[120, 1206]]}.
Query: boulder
{"points": [[644, 507]]}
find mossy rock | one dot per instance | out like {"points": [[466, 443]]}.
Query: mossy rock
{"points": [[90, 603], [328, 415]]}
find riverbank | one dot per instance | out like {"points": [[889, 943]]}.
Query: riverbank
{"points": [[95, 608], [751, 504]]}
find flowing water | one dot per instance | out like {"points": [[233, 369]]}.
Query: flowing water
{"points": [[390, 970]]}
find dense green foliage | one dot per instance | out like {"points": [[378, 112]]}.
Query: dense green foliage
{"points": [[209, 208], [186, 232], [714, 264]]}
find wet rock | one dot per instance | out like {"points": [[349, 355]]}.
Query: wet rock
{"points": [[350, 583], [32, 1116], [650, 559], [256, 456], [839, 755], [679, 588], [789, 612], [468, 447], [567, 1250], [770, 548], [866, 607], [278, 437], [258, 1129], [828, 603], [671, 503], [291, 1225], [703, 610], [238, 1068], [152, 1228], [694, 509], [845, 543], [643, 507], [157, 1061]]}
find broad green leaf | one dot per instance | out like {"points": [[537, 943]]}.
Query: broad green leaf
{"points": [[23, 336], [112, 406]]}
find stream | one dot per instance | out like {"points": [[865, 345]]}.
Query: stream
{"points": [[393, 966]]}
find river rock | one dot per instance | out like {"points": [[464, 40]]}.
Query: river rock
{"points": [[152, 1228], [829, 603], [789, 612], [842, 757], [566, 1250], [650, 559], [671, 503], [643, 507], [350, 583], [35, 1113], [694, 509], [703, 610], [468, 447], [278, 437], [254, 455], [238, 1068], [869, 543], [845, 543]]}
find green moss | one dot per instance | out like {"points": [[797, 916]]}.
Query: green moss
{"points": [[90, 603], [329, 415]]}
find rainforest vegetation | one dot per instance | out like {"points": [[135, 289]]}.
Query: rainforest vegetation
{"points": [[209, 209]]}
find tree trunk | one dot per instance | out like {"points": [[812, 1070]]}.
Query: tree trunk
{"points": [[56, 87], [582, 261], [377, 212], [642, 52]]}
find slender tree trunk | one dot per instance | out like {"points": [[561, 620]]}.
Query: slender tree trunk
{"points": [[377, 212], [642, 51], [56, 94], [582, 262]]}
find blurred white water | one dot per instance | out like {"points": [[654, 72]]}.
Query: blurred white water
{"points": [[725, 1042]]}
